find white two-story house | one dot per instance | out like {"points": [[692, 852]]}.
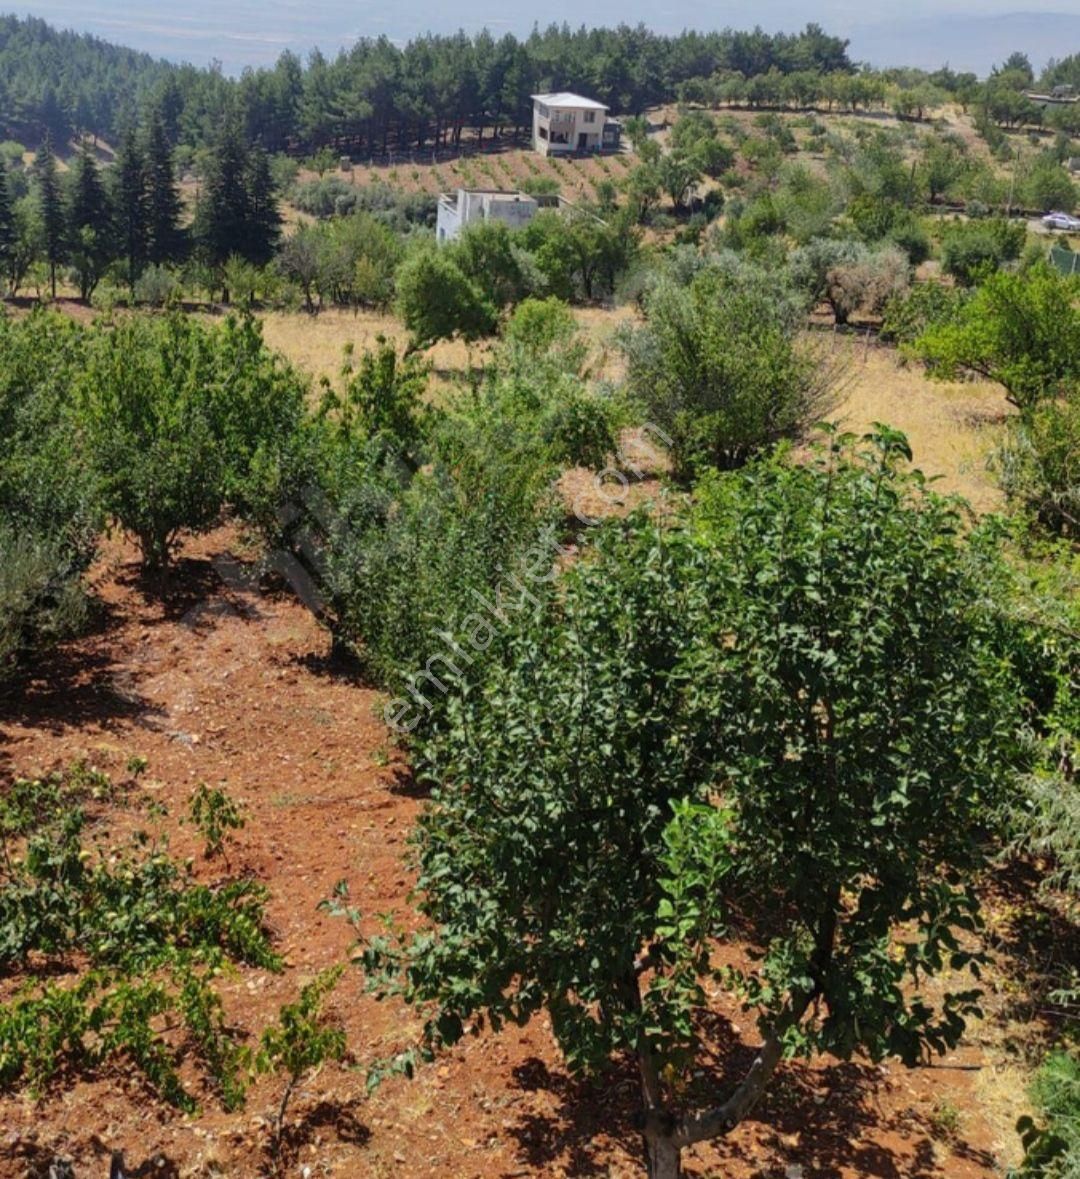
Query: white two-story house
{"points": [[564, 123]]}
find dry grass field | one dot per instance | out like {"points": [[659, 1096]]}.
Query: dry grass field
{"points": [[952, 426]]}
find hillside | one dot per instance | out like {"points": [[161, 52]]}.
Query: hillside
{"points": [[62, 81]]}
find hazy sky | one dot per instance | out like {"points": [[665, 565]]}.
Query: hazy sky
{"points": [[971, 34]]}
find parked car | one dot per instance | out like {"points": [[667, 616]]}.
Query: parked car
{"points": [[1062, 221]]}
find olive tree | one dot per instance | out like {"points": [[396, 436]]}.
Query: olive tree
{"points": [[793, 714], [849, 276]]}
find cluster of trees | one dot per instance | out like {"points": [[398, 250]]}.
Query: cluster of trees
{"points": [[131, 217], [463, 288], [838, 90], [60, 82], [431, 89]]}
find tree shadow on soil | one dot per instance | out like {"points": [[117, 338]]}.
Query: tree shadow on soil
{"points": [[196, 589], [34, 1161], [835, 1113], [74, 685], [325, 1118], [1037, 946], [403, 783]]}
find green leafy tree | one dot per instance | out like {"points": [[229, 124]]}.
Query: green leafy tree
{"points": [[761, 720], [679, 175], [970, 250], [941, 164], [643, 187], [1046, 186], [1022, 331], [437, 301], [179, 420], [486, 254], [29, 241], [300, 259], [579, 254]]}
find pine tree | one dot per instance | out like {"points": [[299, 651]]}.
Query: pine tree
{"points": [[52, 209], [264, 224], [89, 228], [166, 241], [7, 223], [223, 218], [131, 205]]}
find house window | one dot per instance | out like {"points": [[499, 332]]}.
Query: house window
{"points": [[544, 112], [543, 132], [590, 116]]}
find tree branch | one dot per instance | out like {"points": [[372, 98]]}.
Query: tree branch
{"points": [[722, 1119]]}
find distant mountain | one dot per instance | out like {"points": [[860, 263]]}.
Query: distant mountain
{"points": [[966, 42]]}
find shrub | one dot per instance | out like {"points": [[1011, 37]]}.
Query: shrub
{"points": [[970, 250], [325, 197], [156, 286], [1052, 1145], [149, 939], [41, 594], [1038, 463], [49, 506], [908, 314], [541, 327], [1046, 185], [412, 514], [717, 367]]}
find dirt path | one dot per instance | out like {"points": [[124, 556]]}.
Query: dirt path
{"points": [[230, 686]]}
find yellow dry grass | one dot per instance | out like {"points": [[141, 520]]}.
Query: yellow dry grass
{"points": [[316, 343], [952, 426]]}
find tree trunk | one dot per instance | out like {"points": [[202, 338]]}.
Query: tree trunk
{"points": [[663, 1159]]}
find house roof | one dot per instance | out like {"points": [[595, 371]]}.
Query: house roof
{"points": [[565, 98]]}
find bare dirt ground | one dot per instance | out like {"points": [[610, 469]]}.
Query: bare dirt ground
{"points": [[232, 686]]}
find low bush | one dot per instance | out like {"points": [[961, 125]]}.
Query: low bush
{"points": [[717, 367], [148, 939], [971, 250]]}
